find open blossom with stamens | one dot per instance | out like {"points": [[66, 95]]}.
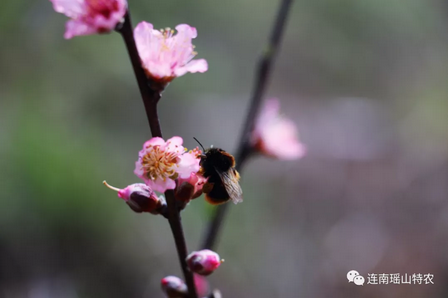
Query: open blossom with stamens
{"points": [[275, 135], [90, 16], [166, 55], [160, 163]]}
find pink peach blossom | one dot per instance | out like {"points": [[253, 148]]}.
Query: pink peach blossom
{"points": [[160, 163], [90, 16], [166, 55], [275, 135]]}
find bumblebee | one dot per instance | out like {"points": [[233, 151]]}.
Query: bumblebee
{"points": [[218, 166]]}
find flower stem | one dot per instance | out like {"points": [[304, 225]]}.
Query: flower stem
{"points": [[244, 150], [150, 99]]}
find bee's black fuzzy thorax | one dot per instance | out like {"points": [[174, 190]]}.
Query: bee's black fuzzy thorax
{"points": [[216, 159]]}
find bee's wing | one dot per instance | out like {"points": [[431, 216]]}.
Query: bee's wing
{"points": [[230, 181]]}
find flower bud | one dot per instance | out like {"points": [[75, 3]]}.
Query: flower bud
{"points": [[140, 198], [174, 287], [189, 188], [203, 262]]}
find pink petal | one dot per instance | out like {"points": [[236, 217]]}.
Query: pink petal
{"points": [[199, 65], [71, 8], [160, 185], [188, 164], [186, 31], [270, 111], [143, 33], [154, 142], [139, 172], [77, 28], [146, 40], [275, 135], [175, 141], [175, 145], [281, 140]]}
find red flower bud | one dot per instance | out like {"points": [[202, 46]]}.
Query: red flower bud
{"points": [[203, 262], [174, 287], [140, 198]]}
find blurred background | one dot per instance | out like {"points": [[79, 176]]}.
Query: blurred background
{"points": [[364, 80]]}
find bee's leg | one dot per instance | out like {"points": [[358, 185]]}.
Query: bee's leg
{"points": [[207, 187], [237, 175]]}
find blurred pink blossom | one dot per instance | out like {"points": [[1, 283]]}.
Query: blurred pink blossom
{"points": [[90, 16], [203, 262], [275, 135], [166, 55], [160, 163]]}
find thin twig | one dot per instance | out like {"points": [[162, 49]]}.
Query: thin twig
{"points": [[263, 72], [150, 99]]}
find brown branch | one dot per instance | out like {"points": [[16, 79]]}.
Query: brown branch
{"points": [[150, 99], [263, 73]]}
